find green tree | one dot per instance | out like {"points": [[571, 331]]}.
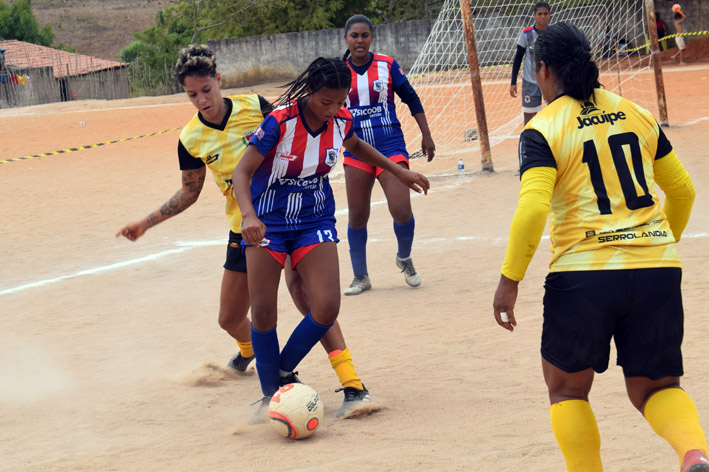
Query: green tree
{"points": [[4, 15], [18, 22], [154, 51], [388, 11]]}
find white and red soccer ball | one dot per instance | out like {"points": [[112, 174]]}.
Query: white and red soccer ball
{"points": [[295, 411]]}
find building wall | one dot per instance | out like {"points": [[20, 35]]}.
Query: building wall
{"points": [[104, 85], [244, 61], [39, 87]]}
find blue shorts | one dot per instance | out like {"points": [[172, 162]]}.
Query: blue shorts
{"points": [[297, 243], [235, 258], [641, 309]]}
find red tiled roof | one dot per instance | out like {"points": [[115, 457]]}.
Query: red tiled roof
{"points": [[71, 64]]}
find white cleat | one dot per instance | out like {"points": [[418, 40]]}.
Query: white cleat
{"points": [[410, 275], [359, 285]]}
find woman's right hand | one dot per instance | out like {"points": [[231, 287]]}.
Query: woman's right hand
{"points": [[133, 231], [253, 230]]}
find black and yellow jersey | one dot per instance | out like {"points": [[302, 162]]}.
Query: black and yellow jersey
{"points": [[220, 147], [605, 211]]}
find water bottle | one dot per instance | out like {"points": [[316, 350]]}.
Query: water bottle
{"points": [[461, 168]]}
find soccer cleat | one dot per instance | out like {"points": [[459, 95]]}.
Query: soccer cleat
{"points": [[358, 285], [260, 416], [407, 267], [354, 398], [240, 363], [291, 378], [695, 461]]}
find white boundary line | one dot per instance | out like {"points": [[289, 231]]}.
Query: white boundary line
{"points": [[187, 245]]}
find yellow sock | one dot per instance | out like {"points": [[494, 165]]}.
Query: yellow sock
{"points": [[673, 416], [245, 348], [341, 361], [577, 434]]}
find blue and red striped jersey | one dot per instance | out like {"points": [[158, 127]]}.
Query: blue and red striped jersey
{"points": [[291, 190]]}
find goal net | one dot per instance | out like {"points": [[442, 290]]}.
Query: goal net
{"points": [[616, 30]]}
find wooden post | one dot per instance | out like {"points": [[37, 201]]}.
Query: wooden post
{"points": [[656, 61], [486, 159]]}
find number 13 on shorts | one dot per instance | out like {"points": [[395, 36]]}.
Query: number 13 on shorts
{"points": [[327, 233]]}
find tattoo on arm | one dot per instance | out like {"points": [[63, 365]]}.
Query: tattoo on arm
{"points": [[192, 182]]}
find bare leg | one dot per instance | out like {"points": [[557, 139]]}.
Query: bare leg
{"points": [[234, 305], [398, 196], [264, 276], [564, 386], [333, 340], [359, 186], [640, 389], [321, 272]]}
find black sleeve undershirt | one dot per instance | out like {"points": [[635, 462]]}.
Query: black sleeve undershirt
{"points": [[517, 63], [187, 160], [534, 151]]}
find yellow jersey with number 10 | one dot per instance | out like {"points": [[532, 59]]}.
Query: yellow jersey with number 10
{"points": [[605, 212]]}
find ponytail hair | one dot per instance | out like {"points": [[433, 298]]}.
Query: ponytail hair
{"points": [[354, 19], [195, 59], [332, 73], [566, 51]]}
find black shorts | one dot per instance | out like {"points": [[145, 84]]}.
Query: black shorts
{"points": [[640, 308], [235, 257]]}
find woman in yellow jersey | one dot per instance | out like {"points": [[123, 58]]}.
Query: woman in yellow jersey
{"points": [[217, 137], [591, 159]]}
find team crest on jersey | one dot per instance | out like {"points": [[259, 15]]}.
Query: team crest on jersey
{"points": [[378, 85], [211, 159], [331, 157], [588, 108], [247, 136]]}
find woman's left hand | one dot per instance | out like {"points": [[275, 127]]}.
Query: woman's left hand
{"points": [[415, 181], [428, 147]]}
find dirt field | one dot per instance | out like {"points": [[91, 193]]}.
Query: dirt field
{"points": [[110, 352]]}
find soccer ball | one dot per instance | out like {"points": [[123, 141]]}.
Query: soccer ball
{"points": [[295, 411], [676, 8]]}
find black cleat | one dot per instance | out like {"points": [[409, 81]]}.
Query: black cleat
{"points": [[240, 363]]}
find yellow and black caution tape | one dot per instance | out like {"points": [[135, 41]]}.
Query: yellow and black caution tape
{"points": [[89, 146], [669, 36]]}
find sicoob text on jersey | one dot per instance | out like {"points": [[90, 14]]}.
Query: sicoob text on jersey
{"points": [[591, 116]]}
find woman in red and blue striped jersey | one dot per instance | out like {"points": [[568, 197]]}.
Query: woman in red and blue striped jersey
{"points": [[375, 80], [283, 190]]}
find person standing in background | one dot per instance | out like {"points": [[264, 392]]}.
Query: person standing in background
{"points": [[680, 17], [531, 95], [375, 80]]}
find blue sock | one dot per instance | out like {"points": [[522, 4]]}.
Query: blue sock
{"points": [[405, 237], [266, 350], [301, 341], [358, 250]]}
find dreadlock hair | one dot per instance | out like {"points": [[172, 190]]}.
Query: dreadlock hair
{"points": [[565, 50], [195, 59], [354, 19], [332, 73]]}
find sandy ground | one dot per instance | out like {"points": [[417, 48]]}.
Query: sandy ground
{"points": [[111, 358]]}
